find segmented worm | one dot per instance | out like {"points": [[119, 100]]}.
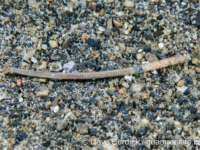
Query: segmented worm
{"points": [[104, 74]]}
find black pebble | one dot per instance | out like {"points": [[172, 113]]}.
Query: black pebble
{"points": [[181, 101], [147, 36], [56, 85], [193, 109], [186, 92], [170, 126], [93, 101], [93, 43], [46, 143], [21, 136], [92, 131], [141, 131], [147, 49], [123, 110], [193, 99]]}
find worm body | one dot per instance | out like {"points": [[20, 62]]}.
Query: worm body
{"points": [[100, 75]]}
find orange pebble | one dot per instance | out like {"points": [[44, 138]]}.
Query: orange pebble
{"points": [[19, 82]]}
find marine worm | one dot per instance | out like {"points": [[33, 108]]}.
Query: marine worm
{"points": [[103, 74]]}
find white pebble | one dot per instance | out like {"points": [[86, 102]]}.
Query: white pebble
{"points": [[176, 77], [161, 45], [33, 60], [55, 109], [128, 78], [182, 89], [139, 56], [68, 66], [44, 46], [67, 115]]}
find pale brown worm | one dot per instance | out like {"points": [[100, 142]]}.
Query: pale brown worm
{"points": [[103, 74]]}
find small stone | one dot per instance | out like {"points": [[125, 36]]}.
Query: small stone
{"points": [[150, 57], [122, 91], [125, 84], [61, 125], [161, 45], [122, 46], [197, 70], [117, 24], [43, 65], [109, 24], [145, 95], [92, 42], [185, 128], [128, 78], [139, 56], [55, 109], [182, 89], [53, 43], [167, 31], [33, 60], [42, 91], [137, 87], [44, 46], [112, 58], [83, 36], [82, 128], [68, 66], [66, 44], [181, 83], [56, 66], [101, 103], [128, 3], [101, 13], [94, 52], [155, 15]]}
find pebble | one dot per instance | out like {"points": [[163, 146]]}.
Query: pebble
{"points": [[122, 46], [94, 52], [161, 45], [122, 91], [180, 83], [182, 89], [43, 65], [137, 87], [176, 77], [44, 46], [101, 12], [84, 36], [61, 125], [56, 66], [68, 66], [42, 91], [125, 84], [128, 78], [112, 58], [197, 69], [128, 3], [82, 128], [145, 95], [167, 31], [109, 24], [185, 128], [33, 60], [117, 23], [66, 43], [53, 44], [139, 56], [92, 42], [150, 57]]}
